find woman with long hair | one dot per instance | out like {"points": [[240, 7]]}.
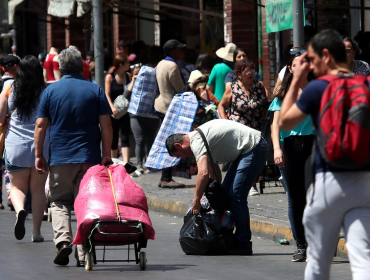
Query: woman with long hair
{"points": [[115, 83], [291, 151], [22, 106], [356, 66]]}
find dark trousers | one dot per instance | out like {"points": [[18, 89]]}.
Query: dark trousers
{"points": [[167, 172], [297, 150], [123, 125]]}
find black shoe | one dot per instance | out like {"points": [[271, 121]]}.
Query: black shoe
{"points": [[299, 255], [62, 257], [19, 229], [80, 264], [241, 251]]}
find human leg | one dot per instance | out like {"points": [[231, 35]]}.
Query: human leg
{"points": [[125, 128], [138, 132], [37, 187], [19, 182], [115, 133], [248, 166]]}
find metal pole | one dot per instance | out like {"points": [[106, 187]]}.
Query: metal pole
{"points": [[298, 30], [98, 42]]}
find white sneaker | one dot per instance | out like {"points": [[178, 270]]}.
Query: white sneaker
{"points": [[136, 174], [253, 191]]}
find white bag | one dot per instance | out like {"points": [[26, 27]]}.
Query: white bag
{"points": [[121, 103]]}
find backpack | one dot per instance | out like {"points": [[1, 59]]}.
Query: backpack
{"points": [[2, 81], [144, 92], [344, 121], [266, 134]]}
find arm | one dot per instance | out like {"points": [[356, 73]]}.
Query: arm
{"points": [[277, 86], [39, 137], [3, 106], [225, 102], [107, 87], [290, 114], [106, 136], [201, 183], [275, 137], [265, 89]]}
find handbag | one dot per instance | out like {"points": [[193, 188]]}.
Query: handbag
{"points": [[121, 103], [217, 196]]}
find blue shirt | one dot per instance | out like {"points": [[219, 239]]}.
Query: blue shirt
{"points": [[231, 74], [73, 106], [304, 128], [309, 103]]}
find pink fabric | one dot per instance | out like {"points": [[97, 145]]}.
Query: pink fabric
{"points": [[95, 197]]}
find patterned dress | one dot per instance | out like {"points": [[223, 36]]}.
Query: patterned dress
{"points": [[248, 110]]}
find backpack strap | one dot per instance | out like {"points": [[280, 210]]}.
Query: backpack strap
{"points": [[329, 78]]}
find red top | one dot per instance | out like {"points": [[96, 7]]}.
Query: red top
{"points": [[50, 66]]}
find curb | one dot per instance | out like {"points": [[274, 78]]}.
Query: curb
{"points": [[259, 227]]}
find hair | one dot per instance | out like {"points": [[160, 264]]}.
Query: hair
{"points": [[90, 53], [204, 63], [288, 77], [117, 61], [329, 39], [70, 61], [238, 50], [28, 86], [124, 44], [349, 40], [171, 140], [240, 66]]}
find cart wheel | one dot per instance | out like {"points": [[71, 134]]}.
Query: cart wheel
{"points": [[142, 258], [88, 261], [49, 215]]}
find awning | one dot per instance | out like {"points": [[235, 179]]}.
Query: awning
{"points": [[11, 9], [64, 8]]}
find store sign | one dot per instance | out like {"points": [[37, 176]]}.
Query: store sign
{"points": [[279, 15]]}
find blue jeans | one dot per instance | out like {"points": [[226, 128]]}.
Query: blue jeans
{"points": [[239, 179]]}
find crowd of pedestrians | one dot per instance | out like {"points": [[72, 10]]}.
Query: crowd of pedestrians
{"points": [[61, 123]]}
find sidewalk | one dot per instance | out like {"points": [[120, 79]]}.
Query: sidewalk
{"points": [[268, 211]]}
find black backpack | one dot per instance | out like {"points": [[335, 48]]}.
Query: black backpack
{"points": [[266, 134], [2, 81]]}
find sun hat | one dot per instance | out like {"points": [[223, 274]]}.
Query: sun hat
{"points": [[194, 75], [227, 52]]}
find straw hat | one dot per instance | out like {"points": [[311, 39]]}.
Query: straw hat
{"points": [[196, 74], [227, 52]]}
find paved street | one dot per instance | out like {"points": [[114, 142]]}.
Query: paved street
{"points": [[21, 260]]}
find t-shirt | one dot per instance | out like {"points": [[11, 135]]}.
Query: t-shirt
{"points": [[73, 106], [8, 80], [309, 103], [304, 128], [361, 68], [226, 140], [231, 74], [217, 79], [50, 66]]}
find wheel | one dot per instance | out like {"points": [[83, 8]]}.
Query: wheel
{"points": [[49, 215], [142, 258], [89, 261]]}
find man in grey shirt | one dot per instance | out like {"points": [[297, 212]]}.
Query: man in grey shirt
{"points": [[228, 141]]}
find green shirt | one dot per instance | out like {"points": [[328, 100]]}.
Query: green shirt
{"points": [[217, 79], [304, 128]]}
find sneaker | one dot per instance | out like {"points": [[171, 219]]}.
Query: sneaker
{"points": [[170, 185], [253, 191], [136, 174], [19, 229], [37, 238], [140, 169], [299, 255]]}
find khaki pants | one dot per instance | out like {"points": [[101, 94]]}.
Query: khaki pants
{"points": [[64, 185]]}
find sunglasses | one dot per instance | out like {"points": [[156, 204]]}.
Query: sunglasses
{"points": [[247, 71], [137, 65]]}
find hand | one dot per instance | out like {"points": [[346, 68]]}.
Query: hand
{"points": [[114, 110], [40, 165], [202, 79], [302, 68], [278, 157], [196, 207], [134, 77], [106, 160]]}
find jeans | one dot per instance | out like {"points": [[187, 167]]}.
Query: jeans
{"points": [[144, 130], [239, 179], [297, 150]]}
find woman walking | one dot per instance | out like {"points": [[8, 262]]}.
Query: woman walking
{"points": [[22, 105]]}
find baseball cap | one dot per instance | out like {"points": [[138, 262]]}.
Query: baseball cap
{"points": [[11, 59], [171, 45]]}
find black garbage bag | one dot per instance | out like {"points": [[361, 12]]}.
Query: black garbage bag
{"points": [[203, 234], [217, 196]]}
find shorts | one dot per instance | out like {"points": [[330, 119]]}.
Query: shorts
{"points": [[12, 168]]}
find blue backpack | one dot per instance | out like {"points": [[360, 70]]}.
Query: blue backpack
{"points": [[144, 92]]}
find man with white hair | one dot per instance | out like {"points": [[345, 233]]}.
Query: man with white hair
{"points": [[79, 117]]}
